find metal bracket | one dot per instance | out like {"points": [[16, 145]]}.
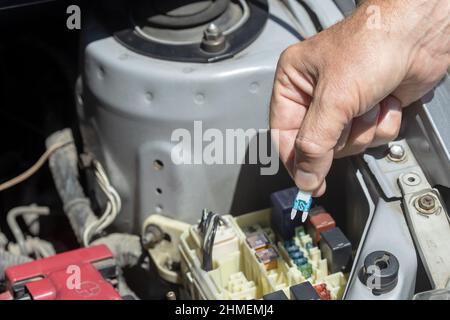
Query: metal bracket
{"points": [[400, 177], [387, 170], [429, 225]]}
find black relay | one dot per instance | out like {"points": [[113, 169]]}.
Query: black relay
{"points": [[277, 295], [337, 249], [304, 291]]}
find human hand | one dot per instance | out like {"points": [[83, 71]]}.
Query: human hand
{"points": [[342, 91]]}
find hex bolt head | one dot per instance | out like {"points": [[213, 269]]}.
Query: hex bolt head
{"points": [[213, 39], [152, 235], [212, 32], [427, 202], [396, 152]]}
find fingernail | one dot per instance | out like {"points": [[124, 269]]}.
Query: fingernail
{"points": [[306, 181], [392, 103]]}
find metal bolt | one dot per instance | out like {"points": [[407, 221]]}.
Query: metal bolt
{"points": [[212, 32], [427, 202], [171, 295], [396, 152], [213, 39], [152, 235]]}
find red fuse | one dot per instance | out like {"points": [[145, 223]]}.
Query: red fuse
{"points": [[318, 223], [322, 291]]}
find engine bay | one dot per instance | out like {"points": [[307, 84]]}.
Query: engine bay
{"points": [[136, 163]]}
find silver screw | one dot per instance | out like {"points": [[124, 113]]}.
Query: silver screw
{"points": [[396, 152]]}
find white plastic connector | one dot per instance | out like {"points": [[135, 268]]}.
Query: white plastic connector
{"points": [[225, 242]]}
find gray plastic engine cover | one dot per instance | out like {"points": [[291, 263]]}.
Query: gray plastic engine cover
{"points": [[132, 103]]}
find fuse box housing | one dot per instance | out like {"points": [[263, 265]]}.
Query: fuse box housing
{"points": [[240, 273]]}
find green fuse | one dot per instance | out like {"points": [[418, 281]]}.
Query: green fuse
{"points": [[306, 270]]}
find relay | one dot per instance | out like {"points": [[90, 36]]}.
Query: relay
{"points": [[277, 295], [281, 212], [337, 249], [319, 222], [304, 291]]}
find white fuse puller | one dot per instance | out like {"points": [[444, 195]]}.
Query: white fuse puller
{"points": [[302, 202]]}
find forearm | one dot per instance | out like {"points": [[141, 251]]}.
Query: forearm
{"points": [[411, 28]]}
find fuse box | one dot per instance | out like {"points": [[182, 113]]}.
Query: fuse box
{"points": [[257, 263]]}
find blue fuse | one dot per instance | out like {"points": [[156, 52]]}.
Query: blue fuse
{"points": [[302, 202], [292, 249], [288, 243], [301, 261], [296, 255]]}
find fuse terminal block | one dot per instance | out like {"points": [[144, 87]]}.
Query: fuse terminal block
{"points": [[250, 261]]}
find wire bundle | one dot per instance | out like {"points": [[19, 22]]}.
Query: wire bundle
{"points": [[113, 204], [208, 226]]}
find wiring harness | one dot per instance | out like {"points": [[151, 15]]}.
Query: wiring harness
{"points": [[113, 204], [208, 226]]}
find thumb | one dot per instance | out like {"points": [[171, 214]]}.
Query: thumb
{"points": [[318, 135]]}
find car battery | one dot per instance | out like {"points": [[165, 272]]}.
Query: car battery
{"points": [[83, 274]]}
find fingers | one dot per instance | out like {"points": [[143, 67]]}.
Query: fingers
{"points": [[321, 190], [286, 116], [362, 133], [389, 121], [378, 126], [291, 95], [318, 135]]}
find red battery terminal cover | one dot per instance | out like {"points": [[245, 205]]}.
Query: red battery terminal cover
{"points": [[52, 278]]}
